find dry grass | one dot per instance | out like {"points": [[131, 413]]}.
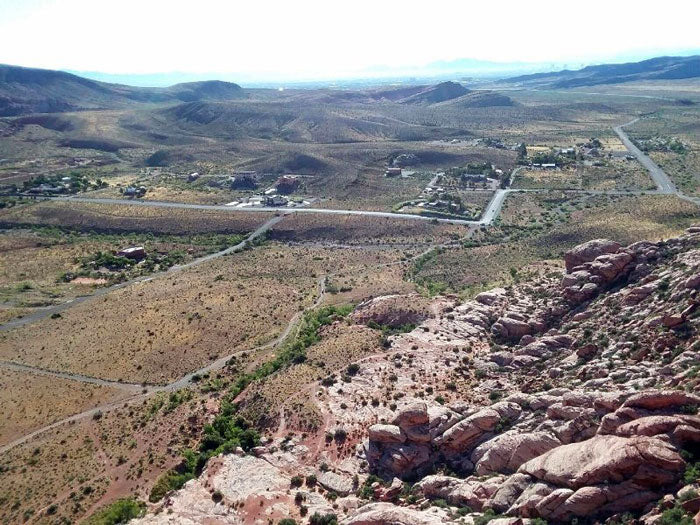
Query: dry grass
{"points": [[616, 174], [125, 218], [349, 229], [545, 209], [79, 467], [547, 179], [624, 219], [683, 169], [29, 401], [156, 331], [358, 285]]}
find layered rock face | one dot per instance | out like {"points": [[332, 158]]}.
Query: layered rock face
{"points": [[586, 454], [571, 396]]}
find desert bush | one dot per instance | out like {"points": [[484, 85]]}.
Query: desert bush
{"points": [[121, 511], [323, 519]]}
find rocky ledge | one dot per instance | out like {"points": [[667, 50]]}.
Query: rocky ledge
{"points": [[571, 396]]}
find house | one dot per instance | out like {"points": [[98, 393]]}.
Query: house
{"points": [[549, 166], [287, 184], [275, 200], [245, 180], [134, 252], [473, 177], [47, 188], [192, 177], [392, 172], [133, 191]]}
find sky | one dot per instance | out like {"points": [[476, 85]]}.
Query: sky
{"points": [[308, 39]]}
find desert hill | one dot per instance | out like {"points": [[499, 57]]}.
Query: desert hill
{"points": [[422, 94], [28, 90], [660, 68]]}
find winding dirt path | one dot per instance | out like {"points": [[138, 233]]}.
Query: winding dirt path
{"points": [[147, 391]]}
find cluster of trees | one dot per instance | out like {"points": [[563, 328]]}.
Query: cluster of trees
{"points": [[78, 182], [473, 168]]}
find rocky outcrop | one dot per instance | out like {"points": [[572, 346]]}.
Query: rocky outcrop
{"points": [[473, 493], [570, 396], [587, 452], [239, 482], [388, 514], [605, 474], [402, 448], [506, 452], [397, 310], [594, 266], [607, 460], [589, 251]]}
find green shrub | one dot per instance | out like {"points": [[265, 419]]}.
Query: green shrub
{"points": [[170, 480], [692, 473], [488, 515], [223, 435], [296, 481], [323, 519], [121, 511], [675, 516]]}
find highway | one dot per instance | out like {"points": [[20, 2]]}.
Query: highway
{"points": [[663, 182], [494, 208]]}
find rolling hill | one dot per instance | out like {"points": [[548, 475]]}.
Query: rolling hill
{"points": [[422, 94], [660, 68], [28, 90]]}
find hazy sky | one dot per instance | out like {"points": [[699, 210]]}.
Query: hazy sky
{"points": [[309, 38]]}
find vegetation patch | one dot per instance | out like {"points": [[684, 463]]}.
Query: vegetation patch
{"points": [[121, 511]]}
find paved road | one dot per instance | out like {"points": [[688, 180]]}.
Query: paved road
{"points": [[283, 211], [662, 181], [494, 207]]}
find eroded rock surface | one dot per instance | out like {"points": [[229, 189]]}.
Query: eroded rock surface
{"points": [[572, 395]]}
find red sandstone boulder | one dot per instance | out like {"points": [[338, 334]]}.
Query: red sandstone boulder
{"points": [[607, 459], [588, 251], [386, 434], [662, 399], [506, 452]]}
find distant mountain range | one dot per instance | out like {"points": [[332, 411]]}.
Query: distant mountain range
{"points": [[26, 90], [660, 68]]}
